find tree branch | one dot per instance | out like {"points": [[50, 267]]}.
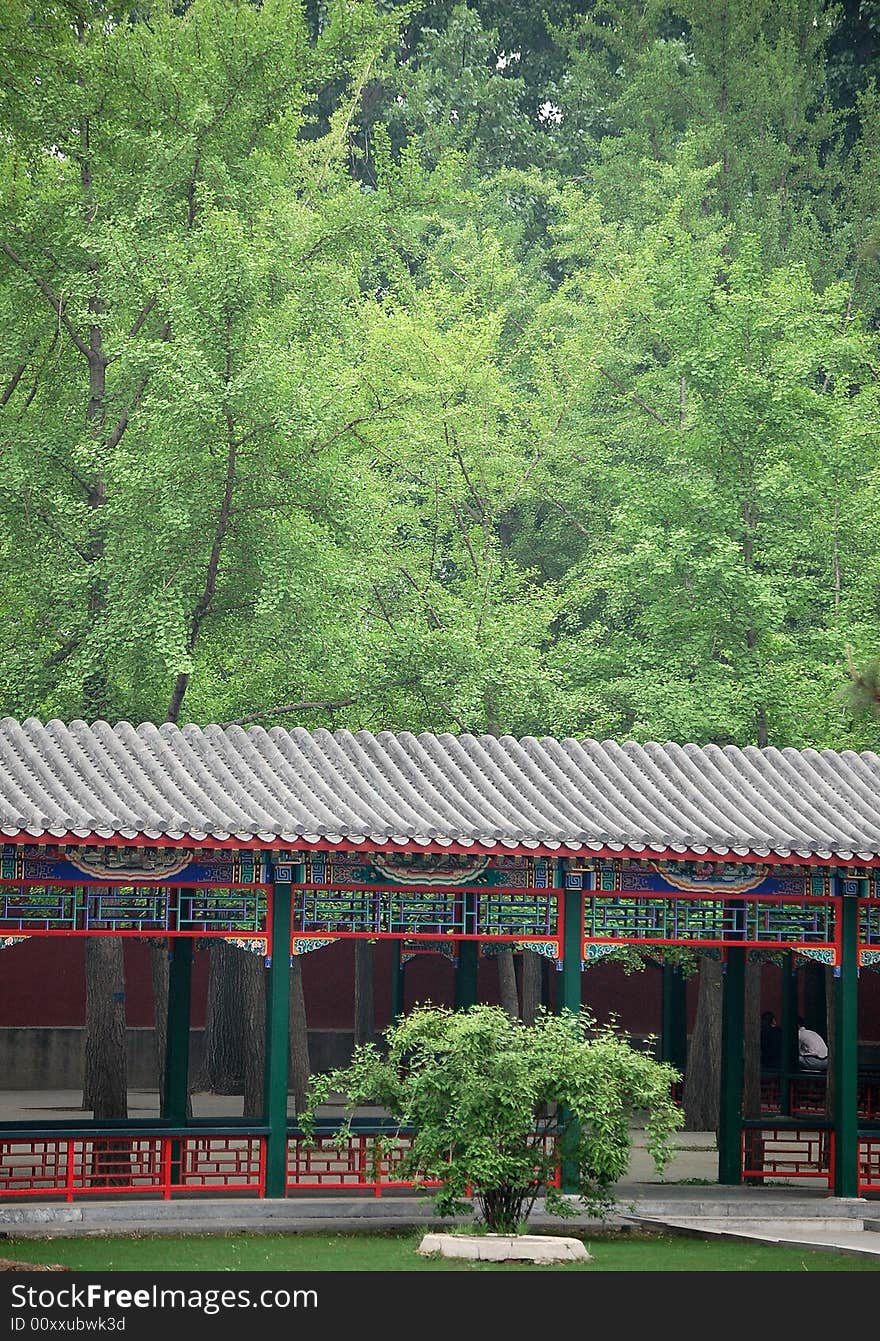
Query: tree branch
{"points": [[325, 704], [462, 526], [142, 316], [477, 497], [122, 422], [51, 297], [567, 512], [206, 599], [634, 396], [13, 383]]}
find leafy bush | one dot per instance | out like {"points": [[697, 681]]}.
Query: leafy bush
{"points": [[494, 1102]]}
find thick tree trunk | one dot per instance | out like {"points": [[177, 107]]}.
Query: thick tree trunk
{"points": [[159, 977], [105, 1085], [703, 1073], [531, 985], [300, 1067], [253, 980], [364, 1011], [815, 997], [507, 982], [223, 1058]]}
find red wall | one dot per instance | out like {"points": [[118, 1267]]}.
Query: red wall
{"points": [[42, 983]]}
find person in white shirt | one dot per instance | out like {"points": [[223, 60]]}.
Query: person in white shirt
{"points": [[812, 1048]]}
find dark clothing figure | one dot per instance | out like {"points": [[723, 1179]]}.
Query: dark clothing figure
{"points": [[771, 1042]]}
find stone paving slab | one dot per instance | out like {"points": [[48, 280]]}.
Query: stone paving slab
{"points": [[823, 1234]]}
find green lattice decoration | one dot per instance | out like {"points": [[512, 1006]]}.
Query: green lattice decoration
{"points": [[490, 914], [118, 909], [755, 923]]}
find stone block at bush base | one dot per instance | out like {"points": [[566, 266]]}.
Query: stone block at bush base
{"points": [[505, 1247]]}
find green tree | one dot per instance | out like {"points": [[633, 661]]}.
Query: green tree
{"points": [[493, 1101], [180, 297]]}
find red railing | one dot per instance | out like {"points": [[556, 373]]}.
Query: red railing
{"points": [[783, 1152], [869, 1163], [367, 1161], [125, 1163], [109, 1163], [806, 1094], [362, 1163]]}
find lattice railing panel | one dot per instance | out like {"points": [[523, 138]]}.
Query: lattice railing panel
{"points": [[230, 910], [110, 1165], [221, 1164], [122, 1164], [51, 908], [788, 1152], [362, 1162], [331, 1165], [869, 1164], [33, 1167]]}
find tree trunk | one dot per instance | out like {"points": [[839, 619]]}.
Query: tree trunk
{"points": [[253, 1031], [531, 985], [159, 976], [223, 1060], [235, 1026], [364, 1011], [815, 1002], [300, 1067], [702, 1080], [105, 1084], [507, 982]]}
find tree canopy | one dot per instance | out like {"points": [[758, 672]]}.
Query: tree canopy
{"points": [[457, 367]]}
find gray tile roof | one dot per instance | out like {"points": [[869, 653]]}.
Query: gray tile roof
{"points": [[154, 782]]}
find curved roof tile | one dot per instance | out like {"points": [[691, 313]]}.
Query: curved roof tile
{"points": [[158, 782]]}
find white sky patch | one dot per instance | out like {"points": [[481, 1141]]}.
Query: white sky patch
{"points": [[506, 58], [549, 113]]}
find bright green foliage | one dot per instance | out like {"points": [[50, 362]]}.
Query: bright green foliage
{"points": [[459, 422], [485, 1095], [707, 484], [179, 233]]}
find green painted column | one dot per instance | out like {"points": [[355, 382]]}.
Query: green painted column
{"points": [[568, 996], [466, 974], [845, 1052], [568, 990], [174, 1098], [673, 1036], [398, 971], [730, 1108], [277, 1007]]}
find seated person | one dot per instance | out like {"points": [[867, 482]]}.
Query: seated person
{"points": [[812, 1048]]}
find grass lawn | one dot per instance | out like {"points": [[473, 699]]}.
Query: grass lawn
{"points": [[397, 1252]]}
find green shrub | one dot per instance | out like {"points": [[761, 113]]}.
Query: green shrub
{"points": [[494, 1103]]}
